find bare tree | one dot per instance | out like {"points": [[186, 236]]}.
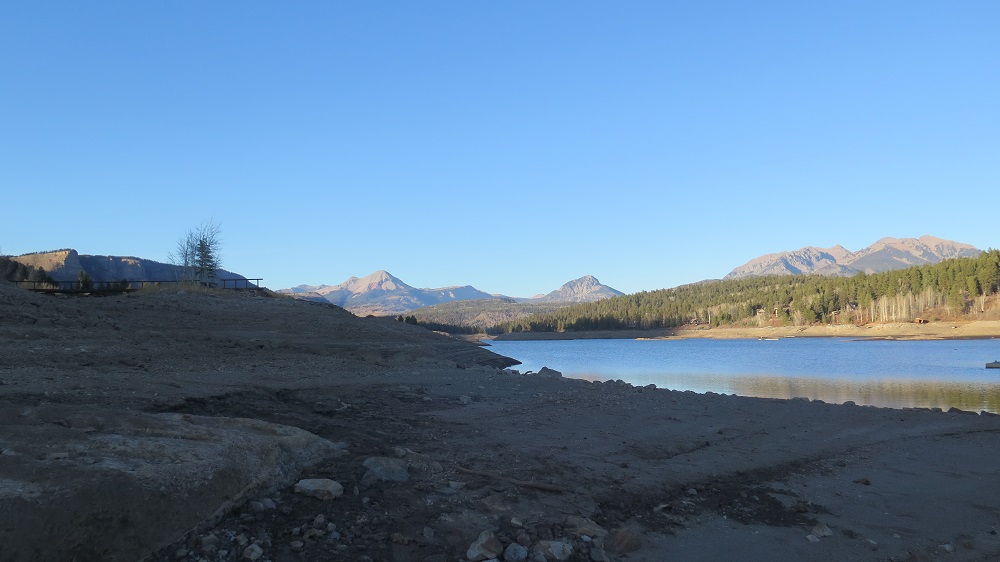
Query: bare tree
{"points": [[198, 253]]}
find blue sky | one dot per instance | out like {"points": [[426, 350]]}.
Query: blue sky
{"points": [[508, 145]]}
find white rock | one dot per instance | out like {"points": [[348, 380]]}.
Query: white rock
{"points": [[253, 552], [554, 550], [322, 488], [485, 547], [821, 530], [515, 553]]}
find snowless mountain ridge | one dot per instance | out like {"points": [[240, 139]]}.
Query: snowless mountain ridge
{"points": [[884, 255], [381, 293]]}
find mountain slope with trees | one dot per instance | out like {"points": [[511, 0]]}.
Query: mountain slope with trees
{"points": [[954, 287]]}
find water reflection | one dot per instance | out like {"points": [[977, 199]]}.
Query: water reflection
{"points": [[885, 374]]}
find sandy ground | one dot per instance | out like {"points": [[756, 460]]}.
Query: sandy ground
{"points": [[172, 426], [901, 330]]}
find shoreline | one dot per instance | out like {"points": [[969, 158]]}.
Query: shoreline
{"points": [[979, 329]]}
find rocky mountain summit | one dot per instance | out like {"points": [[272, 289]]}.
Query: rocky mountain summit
{"points": [[382, 294], [884, 255], [584, 289], [66, 265]]}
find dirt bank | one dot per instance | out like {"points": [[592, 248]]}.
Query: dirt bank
{"points": [[173, 427]]}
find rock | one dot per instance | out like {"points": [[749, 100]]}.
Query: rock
{"points": [[515, 553], [812, 538], [485, 547], [821, 530], [550, 373], [946, 548], [622, 541], [554, 550], [384, 469], [319, 521], [322, 488], [465, 400], [296, 545], [253, 552], [598, 555], [581, 526], [209, 543]]}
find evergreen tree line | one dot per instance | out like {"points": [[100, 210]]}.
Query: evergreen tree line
{"points": [[952, 287], [11, 270]]}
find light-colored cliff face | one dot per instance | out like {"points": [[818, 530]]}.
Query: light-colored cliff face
{"points": [[884, 255], [66, 265], [61, 265]]}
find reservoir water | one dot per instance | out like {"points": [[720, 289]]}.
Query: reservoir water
{"points": [[888, 373]]}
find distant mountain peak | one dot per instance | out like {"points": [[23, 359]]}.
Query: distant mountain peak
{"points": [[582, 289], [885, 254]]}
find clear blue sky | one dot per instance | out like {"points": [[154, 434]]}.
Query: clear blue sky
{"points": [[508, 145]]}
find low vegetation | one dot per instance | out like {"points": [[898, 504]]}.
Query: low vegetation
{"points": [[963, 287]]}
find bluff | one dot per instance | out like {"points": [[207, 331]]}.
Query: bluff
{"points": [[66, 265]]}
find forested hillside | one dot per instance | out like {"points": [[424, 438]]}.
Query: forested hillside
{"points": [[963, 286], [11, 270]]}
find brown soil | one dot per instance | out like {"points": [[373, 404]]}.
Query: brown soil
{"points": [[107, 406]]}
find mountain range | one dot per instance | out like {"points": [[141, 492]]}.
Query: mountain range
{"points": [[382, 294], [884, 255]]}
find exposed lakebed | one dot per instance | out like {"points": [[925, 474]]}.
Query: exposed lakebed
{"points": [[899, 374]]}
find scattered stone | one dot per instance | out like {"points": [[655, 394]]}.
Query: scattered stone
{"points": [[181, 553], [863, 481], [242, 539], [253, 552], [946, 548], [465, 400], [322, 488], [692, 492], [554, 550], [428, 534], [622, 541], [822, 530], [485, 547], [296, 531], [523, 538], [515, 553], [319, 521], [313, 534], [812, 538], [598, 555], [384, 469], [296, 545], [268, 503], [581, 526], [209, 543]]}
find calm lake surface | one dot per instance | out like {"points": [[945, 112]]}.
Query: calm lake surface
{"points": [[897, 374]]}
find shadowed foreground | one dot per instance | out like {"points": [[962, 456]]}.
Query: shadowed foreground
{"points": [[172, 426]]}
